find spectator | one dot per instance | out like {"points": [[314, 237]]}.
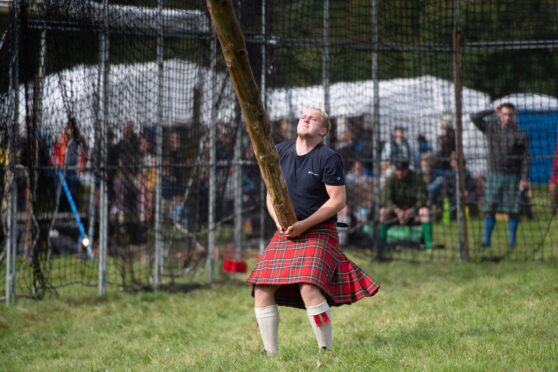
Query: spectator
{"points": [[359, 191], [122, 207], [176, 160], [403, 197], [359, 205], [283, 131], [451, 190], [173, 178], [128, 149], [446, 144], [553, 183], [146, 180], [351, 144], [127, 170], [397, 148], [423, 147], [434, 181], [70, 155], [508, 168]]}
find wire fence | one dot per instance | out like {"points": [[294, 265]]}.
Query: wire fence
{"points": [[125, 161]]}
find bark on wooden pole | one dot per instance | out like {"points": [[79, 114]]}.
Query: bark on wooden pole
{"points": [[234, 50]]}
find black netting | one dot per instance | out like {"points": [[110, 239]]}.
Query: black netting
{"points": [[135, 103]]}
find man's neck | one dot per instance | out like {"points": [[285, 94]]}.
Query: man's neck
{"points": [[305, 145]]}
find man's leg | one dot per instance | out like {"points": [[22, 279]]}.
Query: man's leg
{"points": [[513, 223], [489, 223], [553, 194], [427, 229], [385, 215], [319, 314], [267, 316]]}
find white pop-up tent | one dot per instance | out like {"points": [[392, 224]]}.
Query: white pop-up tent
{"points": [[418, 104], [133, 95]]}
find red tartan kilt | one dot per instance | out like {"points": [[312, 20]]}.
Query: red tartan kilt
{"points": [[314, 258]]}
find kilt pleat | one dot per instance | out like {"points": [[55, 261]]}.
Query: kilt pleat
{"points": [[314, 258], [501, 193]]}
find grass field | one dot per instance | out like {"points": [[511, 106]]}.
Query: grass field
{"points": [[430, 316]]}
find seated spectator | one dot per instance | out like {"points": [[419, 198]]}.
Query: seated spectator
{"points": [[433, 179], [404, 202], [423, 147], [446, 145], [359, 190], [359, 200], [452, 191]]}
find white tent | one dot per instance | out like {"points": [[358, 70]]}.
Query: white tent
{"points": [[133, 96], [530, 102], [419, 104]]}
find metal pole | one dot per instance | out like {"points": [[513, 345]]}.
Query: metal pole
{"points": [[238, 191], [326, 63], [264, 100], [104, 111], [238, 178], [11, 241], [158, 269], [460, 174], [212, 162], [376, 128]]}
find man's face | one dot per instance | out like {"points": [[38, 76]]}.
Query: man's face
{"points": [[173, 141], [310, 124], [401, 173], [506, 115], [399, 135]]}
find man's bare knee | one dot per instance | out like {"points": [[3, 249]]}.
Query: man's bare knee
{"points": [[424, 215], [311, 295], [264, 295]]}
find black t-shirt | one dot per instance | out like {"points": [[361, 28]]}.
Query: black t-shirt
{"points": [[307, 175]]}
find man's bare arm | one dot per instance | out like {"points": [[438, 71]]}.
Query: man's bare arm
{"points": [[337, 201]]}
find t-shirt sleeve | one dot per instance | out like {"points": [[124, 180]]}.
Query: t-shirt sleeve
{"points": [[333, 171]]}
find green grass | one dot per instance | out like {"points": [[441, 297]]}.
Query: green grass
{"points": [[426, 317]]}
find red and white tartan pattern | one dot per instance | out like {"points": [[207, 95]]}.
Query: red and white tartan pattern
{"points": [[314, 258]]}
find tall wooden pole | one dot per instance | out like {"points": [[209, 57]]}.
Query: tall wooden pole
{"points": [[234, 50]]}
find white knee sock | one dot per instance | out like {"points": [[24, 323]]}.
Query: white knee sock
{"points": [[320, 320], [268, 323]]}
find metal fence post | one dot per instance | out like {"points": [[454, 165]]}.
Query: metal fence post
{"points": [[376, 129], [326, 64], [264, 101], [104, 101], [158, 269], [11, 241], [238, 191], [212, 161]]}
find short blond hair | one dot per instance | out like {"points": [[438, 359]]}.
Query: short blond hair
{"points": [[325, 122]]}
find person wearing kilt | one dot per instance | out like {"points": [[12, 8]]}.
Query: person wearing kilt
{"points": [[303, 265], [508, 168]]}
